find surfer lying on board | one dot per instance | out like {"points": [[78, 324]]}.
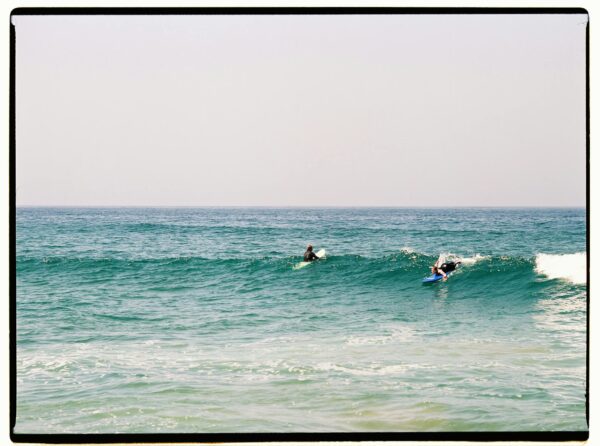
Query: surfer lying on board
{"points": [[309, 255], [443, 268]]}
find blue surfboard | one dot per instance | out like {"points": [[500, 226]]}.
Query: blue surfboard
{"points": [[434, 278]]}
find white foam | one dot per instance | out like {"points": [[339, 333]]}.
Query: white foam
{"points": [[570, 267], [471, 260], [394, 334], [464, 260], [366, 370]]}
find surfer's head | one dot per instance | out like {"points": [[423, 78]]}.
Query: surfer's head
{"points": [[309, 247]]}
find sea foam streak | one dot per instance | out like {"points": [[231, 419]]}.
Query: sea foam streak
{"points": [[472, 260], [570, 267], [464, 260]]}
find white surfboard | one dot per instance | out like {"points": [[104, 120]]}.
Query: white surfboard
{"points": [[321, 254]]}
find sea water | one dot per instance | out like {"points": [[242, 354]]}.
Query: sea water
{"points": [[194, 320]]}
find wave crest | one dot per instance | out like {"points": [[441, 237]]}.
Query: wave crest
{"points": [[570, 267], [390, 268]]}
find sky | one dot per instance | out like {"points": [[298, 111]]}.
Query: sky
{"points": [[380, 110]]}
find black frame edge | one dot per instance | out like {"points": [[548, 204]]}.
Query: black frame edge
{"points": [[12, 278], [312, 10], [587, 214], [548, 436]]}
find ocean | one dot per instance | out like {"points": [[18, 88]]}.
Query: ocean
{"points": [[181, 320]]}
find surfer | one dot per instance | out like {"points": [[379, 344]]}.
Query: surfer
{"points": [[443, 268], [309, 255]]}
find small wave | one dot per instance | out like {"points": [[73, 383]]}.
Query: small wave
{"points": [[570, 267]]}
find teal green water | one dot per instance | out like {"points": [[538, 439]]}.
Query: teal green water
{"points": [[194, 320]]}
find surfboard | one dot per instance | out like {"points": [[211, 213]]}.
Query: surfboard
{"points": [[435, 278], [320, 254]]}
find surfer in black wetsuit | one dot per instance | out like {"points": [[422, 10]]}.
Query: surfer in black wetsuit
{"points": [[443, 268], [309, 255]]}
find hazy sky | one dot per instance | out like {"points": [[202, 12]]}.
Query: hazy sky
{"points": [[384, 110]]}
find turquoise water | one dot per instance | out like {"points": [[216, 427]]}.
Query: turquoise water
{"points": [[194, 320]]}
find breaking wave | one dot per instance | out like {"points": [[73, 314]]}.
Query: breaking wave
{"points": [[569, 267]]}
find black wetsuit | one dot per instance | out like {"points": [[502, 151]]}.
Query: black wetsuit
{"points": [[449, 266], [309, 256]]}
